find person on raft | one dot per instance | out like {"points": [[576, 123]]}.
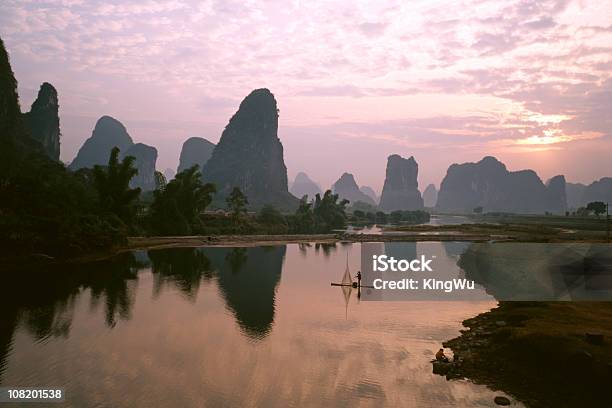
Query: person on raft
{"points": [[358, 278], [441, 357]]}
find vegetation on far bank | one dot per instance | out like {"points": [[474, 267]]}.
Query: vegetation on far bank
{"points": [[520, 229]]}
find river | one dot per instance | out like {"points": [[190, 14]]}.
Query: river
{"points": [[233, 327]]}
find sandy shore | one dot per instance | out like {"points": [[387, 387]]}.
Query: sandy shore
{"points": [[259, 240]]}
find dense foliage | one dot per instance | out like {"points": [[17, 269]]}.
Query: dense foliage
{"points": [[44, 208], [112, 183], [237, 202], [597, 207], [177, 206], [47, 209]]}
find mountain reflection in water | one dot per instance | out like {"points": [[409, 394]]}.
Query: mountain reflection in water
{"points": [[225, 326], [540, 271]]}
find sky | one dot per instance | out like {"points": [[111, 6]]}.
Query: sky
{"points": [[529, 82]]}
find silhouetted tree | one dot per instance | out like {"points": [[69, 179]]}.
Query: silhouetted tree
{"points": [[597, 207], [176, 209], [381, 217], [160, 181], [582, 212], [112, 183], [304, 219], [44, 208], [237, 202], [329, 211], [396, 217], [270, 215]]}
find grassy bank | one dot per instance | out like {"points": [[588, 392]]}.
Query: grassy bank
{"points": [[543, 353], [534, 230]]}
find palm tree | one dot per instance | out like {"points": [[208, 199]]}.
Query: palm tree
{"points": [[191, 195], [329, 210], [176, 208], [112, 184]]}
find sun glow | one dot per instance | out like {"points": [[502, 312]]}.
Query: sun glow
{"points": [[553, 136], [543, 140]]}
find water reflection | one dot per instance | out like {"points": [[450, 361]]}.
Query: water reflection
{"points": [[114, 285], [219, 327], [43, 302], [236, 258], [401, 250], [327, 249], [247, 279], [8, 325], [184, 268], [540, 271], [454, 249]]}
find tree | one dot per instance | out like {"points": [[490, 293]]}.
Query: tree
{"points": [[160, 181], [112, 184], [361, 206], [329, 212], [381, 217], [304, 220], [371, 217], [176, 209], [597, 207], [359, 214], [582, 212], [270, 215], [396, 217], [237, 202], [478, 210], [44, 208]]}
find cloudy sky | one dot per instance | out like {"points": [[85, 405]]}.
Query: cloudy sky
{"points": [[529, 82]]}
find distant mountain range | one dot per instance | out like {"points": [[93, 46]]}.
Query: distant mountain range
{"points": [[43, 120], [195, 150], [304, 186], [401, 188], [107, 134], [488, 184], [250, 156], [430, 196], [369, 191], [579, 195], [346, 188]]}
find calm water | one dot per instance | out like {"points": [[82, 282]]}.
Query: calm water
{"points": [[231, 327], [434, 220]]}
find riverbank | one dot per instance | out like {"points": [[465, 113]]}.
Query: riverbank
{"points": [[135, 243], [535, 230], [531, 231], [526, 229], [543, 353]]}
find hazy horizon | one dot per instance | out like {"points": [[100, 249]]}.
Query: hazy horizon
{"points": [[446, 82]]}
